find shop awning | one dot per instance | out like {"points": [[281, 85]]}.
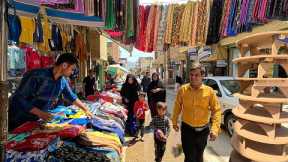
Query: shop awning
{"points": [[59, 16]]}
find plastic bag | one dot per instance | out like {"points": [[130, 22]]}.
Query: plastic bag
{"points": [[177, 145]]}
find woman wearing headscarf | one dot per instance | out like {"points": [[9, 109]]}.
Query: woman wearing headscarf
{"points": [[156, 93], [129, 94]]}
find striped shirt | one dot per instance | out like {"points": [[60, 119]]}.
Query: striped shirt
{"points": [[162, 124]]}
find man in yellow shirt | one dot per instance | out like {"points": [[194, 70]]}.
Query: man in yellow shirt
{"points": [[199, 105]]}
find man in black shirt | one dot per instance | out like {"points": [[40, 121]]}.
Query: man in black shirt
{"points": [[89, 84]]}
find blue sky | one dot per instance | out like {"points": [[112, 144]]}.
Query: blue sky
{"points": [[135, 54]]}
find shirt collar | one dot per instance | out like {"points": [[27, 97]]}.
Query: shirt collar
{"points": [[201, 87]]}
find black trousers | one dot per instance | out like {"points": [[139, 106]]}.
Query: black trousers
{"points": [[140, 127], [193, 142], [160, 147]]}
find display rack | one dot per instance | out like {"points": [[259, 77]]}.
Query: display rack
{"points": [[259, 132]]}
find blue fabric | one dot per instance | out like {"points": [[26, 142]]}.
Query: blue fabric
{"points": [[232, 31], [79, 121], [38, 34], [70, 15], [37, 89], [57, 38], [109, 127], [14, 27], [63, 109]]}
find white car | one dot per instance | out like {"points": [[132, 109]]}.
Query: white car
{"points": [[225, 87]]}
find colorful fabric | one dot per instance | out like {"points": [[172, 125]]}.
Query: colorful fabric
{"points": [[177, 16], [32, 156], [161, 29], [29, 143], [26, 127], [100, 139], [70, 152], [28, 28], [33, 59], [44, 46], [14, 27], [110, 20], [141, 27], [38, 34], [16, 58], [101, 125], [169, 26]]}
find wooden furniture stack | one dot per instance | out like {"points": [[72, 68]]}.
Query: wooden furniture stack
{"points": [[260, 133]]}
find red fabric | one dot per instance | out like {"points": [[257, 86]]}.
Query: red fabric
{"points": [[32, 143], [141, 30], [26, 127], [33, 59], [47, 61], [113, 33], [92, 98], [71, 132], [140, 107]]}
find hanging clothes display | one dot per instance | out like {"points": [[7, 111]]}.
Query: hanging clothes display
{"points": [[80, 49], [44, 46], [141, 28], [194, 25], [14, 28], [150, 29], [203, 21], [38, 34], [16, 61], [157, 19], [186, 25], [169, 26], [56, 41], [89, 9], [130, 25], [120, 15], [28, 28], [98, 8], [161, 28], [177, 16], [215, 20], [110, 20]]}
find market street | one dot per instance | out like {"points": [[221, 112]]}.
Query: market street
{"points": [[218, 151]]}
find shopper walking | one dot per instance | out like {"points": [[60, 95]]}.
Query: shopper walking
{"points": [[146, 80], [139, 112], [178, 82], [156, 93], [129, 93], [40, 90], [160, 124], [196, 102], [89, 84]]}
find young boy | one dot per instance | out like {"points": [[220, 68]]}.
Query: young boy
{"points": [[140, 107], [160, 123]]}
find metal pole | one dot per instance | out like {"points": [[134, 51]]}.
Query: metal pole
{"points": [[3, 79]]}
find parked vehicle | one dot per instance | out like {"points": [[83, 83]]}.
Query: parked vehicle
{"points": [[225, 87]]}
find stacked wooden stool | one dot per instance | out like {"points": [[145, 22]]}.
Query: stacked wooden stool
{"points": [[260, 133]]}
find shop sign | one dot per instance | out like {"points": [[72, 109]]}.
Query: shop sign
{"points": [[204, 53], [221, 63], [192, 53]]}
